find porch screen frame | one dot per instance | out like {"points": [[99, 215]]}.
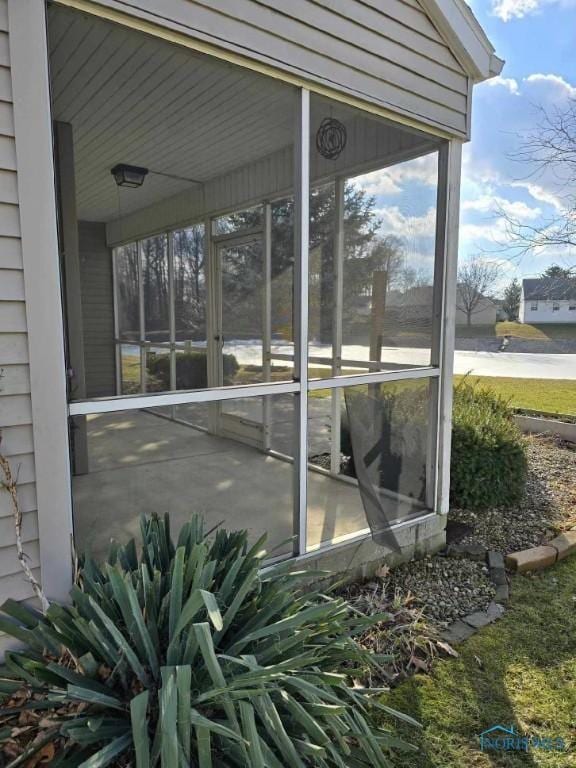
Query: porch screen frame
{"points": [[439, 372]]}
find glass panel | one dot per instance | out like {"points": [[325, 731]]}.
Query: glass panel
{"points": [[250, 218], [130, 367], [127, 292], [189, 284], [242, 269], [156, 288], [157, 369], [139, 462], [282, 289], [372, 242], [369, 446]]}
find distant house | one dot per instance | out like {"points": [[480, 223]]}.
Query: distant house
{"points": [[416, 305], [548, 300]]}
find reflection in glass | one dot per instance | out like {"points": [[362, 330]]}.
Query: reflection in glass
{"points": [[239, 221], [369, 449], [130, 369], [127, 287], [189, 283], [156, 288], [139, 461]]}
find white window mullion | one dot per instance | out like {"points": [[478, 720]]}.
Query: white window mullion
{"points": [[301, 221]]}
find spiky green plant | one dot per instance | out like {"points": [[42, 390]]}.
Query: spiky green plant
{"points": [[189, 655]]}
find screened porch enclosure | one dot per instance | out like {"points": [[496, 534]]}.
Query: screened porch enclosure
{"points": [[254, 329]]}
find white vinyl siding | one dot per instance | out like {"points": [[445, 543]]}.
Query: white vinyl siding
{"points": [[15, 404], [387, 52]]}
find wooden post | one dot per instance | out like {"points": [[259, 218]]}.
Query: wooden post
{"points": [[379, 286]]}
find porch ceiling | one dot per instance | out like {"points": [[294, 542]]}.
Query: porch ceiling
{"points": [[136, 99]]}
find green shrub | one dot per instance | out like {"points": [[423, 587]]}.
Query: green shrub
{"points": [[189, 655], [191, 369], [488, 465]]}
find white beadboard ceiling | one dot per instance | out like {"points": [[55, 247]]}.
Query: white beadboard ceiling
{"points": [[132, 98], [135, 99]]}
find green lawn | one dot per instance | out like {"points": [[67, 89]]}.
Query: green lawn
{"points": [[520, 671], [519, 331], [551, 395]]}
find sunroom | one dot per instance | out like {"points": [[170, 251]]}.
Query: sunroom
{"points": [[237, 255]]}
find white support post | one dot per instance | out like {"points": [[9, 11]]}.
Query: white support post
{"points": [[267, 322], [301, 222], [337, 324], [142, 318], [171, 310], [37, 207], [449, 164]]}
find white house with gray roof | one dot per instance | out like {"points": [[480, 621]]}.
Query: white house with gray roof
{"points": [[548, 300]]}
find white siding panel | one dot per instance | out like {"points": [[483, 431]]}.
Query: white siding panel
{"points": [[13, 349], [8, 530], [4, 50], [17, 587], [12, 315], [357, 48], [7, 154], [15, 410], [5, 84], [9, 218], [11, 280], [6, 119], [4, 15], [8, 187], [10, 253], [26, 500], [17, 440], [9, 563], [14, 380]]}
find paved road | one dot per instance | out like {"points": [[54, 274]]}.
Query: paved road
{"points": [[517, 365]]}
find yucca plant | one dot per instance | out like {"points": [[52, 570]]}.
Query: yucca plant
{"points": [[189, 655]]}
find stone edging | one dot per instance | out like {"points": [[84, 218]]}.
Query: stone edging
{"points": [[532, 559], [462, 629], [537, 558]]}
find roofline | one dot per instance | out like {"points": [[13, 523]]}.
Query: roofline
{"points": [[465, 36]]}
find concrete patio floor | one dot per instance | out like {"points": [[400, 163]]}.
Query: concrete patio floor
{"points": [[142, 463]]}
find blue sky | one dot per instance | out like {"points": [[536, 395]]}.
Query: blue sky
{"points": [[537, 38]]}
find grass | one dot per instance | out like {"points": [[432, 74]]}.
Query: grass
{"points": [[551, 395], [521, 671], [519, 331]]}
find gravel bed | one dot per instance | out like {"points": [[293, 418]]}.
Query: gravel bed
{"points": [[446, 588], [549, 501]]}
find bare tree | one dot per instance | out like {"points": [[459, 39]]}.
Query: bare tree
{"points": [[476, 278], [550, 152]]}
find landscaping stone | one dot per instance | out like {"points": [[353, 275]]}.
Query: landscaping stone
{"points": [[471, 550], [502, 593], [495, 611], [478, 619], [457, 632], [532, 559], [564, 544], [495, 560]]}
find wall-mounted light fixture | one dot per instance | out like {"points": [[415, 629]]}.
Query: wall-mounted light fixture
{"points": [[129, 175], [133, 175]]}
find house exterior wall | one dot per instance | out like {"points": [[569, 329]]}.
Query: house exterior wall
{"points": [[17, 442], [97, 309], [388, 53], [545, 312], [485, 314]]}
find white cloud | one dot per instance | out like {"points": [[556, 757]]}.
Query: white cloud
{"points": [[396, 222], [509, 83], [491, 204], [556, 81], [506, 10], [391, 181]]}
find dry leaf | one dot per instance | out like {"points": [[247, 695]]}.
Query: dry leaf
{"points": [[447, 648], [383, 572], [43, 756]]}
